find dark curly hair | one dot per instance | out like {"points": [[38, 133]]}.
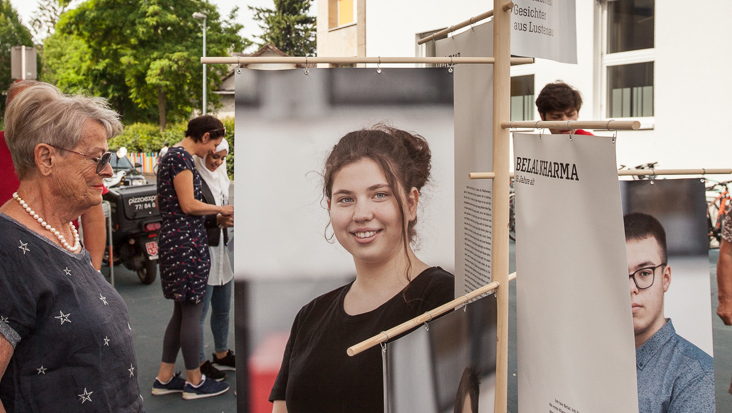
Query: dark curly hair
{"points": [[197, 127], [558, 97], [469, 385]]}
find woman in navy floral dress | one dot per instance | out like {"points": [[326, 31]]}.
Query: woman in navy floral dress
{"points": [[184, 259]]}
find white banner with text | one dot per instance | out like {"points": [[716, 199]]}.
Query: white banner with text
{"points": [[473, 152], [576, 351], [545, 29]]}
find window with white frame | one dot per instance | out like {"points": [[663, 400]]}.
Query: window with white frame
{"points": [[341, 13], [428, 49], [522, 98], [628, 57]]}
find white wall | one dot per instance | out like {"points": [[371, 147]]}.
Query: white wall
{"points": [[693, 86], [692, 83], [391, 25]]}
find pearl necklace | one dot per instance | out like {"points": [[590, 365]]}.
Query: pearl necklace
{"points": [[47, 226]]}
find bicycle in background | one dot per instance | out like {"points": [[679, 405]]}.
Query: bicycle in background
{"points": [[650, 166], [512, 212]]}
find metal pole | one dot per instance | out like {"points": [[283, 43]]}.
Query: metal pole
{"points": [[202, 16], [204, 66], [22, 62]]}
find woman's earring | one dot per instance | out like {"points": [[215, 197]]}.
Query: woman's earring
{"points": [[330, 237]]}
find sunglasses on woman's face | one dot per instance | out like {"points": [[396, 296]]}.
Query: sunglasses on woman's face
{"points": [[101, 161], [217, 133]]}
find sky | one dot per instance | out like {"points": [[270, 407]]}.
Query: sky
{"points": [[26, 8]]}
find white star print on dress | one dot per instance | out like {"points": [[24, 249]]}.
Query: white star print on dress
{"points": [[71, 293], [131, 370], [106, 341], [24, 247], [63, 317], [86, 396]]}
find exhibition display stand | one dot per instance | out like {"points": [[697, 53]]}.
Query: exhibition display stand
{"points": [[501, 174]]}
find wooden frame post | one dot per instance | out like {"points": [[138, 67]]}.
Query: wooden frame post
{"points": [[501, 167]]}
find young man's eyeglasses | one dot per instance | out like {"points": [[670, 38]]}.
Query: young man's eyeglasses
{"points": [[644, 277], [101, 161]]}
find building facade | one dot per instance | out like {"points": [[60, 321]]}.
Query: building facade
{"points": [[665, 63]]}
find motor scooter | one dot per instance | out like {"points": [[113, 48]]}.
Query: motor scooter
{"points": [[135, 229], [125, 173]]}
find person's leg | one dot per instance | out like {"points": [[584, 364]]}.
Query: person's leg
{"points": [[190, 340], [171, 345], [220, 310], [206, 303]]}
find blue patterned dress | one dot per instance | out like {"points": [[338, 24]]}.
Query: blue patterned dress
{"points": [[184, 259]]}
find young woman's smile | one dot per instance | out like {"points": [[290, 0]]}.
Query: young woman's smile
{"points": [[365, 214], [215, 159]]}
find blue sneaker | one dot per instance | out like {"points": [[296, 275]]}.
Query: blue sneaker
{"points": [[207, 388], [174, 385]]}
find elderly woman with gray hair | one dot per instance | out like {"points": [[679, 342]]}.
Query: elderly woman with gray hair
{"points": [[65, 337]]}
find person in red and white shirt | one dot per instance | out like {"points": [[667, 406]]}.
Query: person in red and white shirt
{"points": [[561, 102]]}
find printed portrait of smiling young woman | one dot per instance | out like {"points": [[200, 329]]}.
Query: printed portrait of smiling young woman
{"points": [[372, 183], [366, 216]]}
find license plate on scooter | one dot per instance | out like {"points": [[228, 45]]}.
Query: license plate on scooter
{"points": [[152, 249]]}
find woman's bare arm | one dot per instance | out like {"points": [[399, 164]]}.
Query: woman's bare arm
{"points": [[279, 406], [724, 282], [95, 234], [183, 183]]}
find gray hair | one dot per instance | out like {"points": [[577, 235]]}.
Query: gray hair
{"points": [[17, 87], [42, 114]]}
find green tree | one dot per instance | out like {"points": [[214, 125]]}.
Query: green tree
{"points": [[146, 137], [12, 33], [144, 55], [289, 26], [45, 17], [68, 63]]}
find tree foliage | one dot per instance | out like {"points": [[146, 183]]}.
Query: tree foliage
{"points": [[146, 137], [12, 33], [45, 17], [143, 55], [288, 27]]}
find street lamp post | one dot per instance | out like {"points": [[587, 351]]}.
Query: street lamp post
{"points": [[198, 15]]}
